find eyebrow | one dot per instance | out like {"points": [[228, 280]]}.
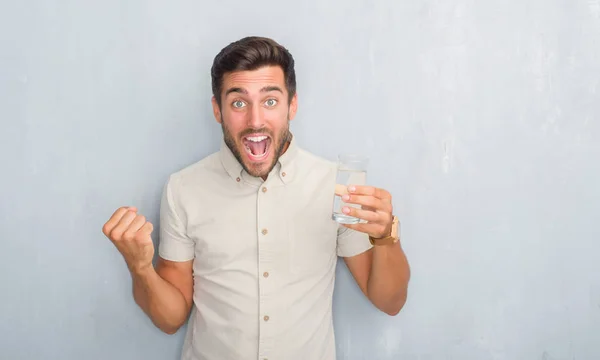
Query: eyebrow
{"points": [[244, 91], [271, 88]]}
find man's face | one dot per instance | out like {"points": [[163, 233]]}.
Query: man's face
{"points": [[255, 117]]}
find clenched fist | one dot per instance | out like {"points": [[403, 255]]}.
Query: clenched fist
{"points": [[131, 234]]}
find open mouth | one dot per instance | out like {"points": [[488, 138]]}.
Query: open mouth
{"points": [[257, 146]]}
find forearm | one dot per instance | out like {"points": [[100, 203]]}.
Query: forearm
{"points": [[161, 301], [388, 279]]}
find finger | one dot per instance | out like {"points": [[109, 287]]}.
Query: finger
{"points": [[145, 232], [369, 201], [368, 208], [364, 228], [374, 229], [122, 226], [147, 228], [369, 191], [133, 228], [370, 216], [114, 220], [341, 190]]}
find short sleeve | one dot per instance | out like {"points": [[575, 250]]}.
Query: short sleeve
{"points": [[351, 242], [174, 244]]}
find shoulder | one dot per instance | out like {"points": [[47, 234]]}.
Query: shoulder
{"points": [[310, 159], [315, 169], [200, 172]]}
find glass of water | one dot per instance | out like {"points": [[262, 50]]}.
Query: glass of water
{"points": [[352, 170]]}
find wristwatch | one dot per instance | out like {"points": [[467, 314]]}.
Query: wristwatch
{"points": [[390, 239]]}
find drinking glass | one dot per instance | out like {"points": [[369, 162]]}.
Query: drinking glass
{"points": [[352, 170]]}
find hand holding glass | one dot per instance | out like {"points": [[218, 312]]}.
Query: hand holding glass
{"points": [[352, 170]]}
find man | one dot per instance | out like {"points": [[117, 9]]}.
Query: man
{"points": [[246, 234]]}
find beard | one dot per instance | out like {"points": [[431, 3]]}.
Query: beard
{"points": [[278, 143]]}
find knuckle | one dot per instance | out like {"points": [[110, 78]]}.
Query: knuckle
{"points": [[116, 235], [141, 218], [128, 236]]}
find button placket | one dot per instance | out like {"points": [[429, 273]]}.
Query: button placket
{"points": [[265, 281]]}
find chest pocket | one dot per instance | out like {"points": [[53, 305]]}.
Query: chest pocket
{"points": [[313, 239], [223, 242]]}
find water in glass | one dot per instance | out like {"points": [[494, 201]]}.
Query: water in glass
{"points": [[352, 170]]}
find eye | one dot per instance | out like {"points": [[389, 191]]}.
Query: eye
{"points": [[271, 102], [238, 104]]}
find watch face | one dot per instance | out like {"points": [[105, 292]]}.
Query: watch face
{"points": [[395, 226]]}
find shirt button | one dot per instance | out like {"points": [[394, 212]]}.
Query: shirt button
{"points": [[264, 189], [264, 231], [266, 318], [238, 179], [283, 173], [266, 274]]}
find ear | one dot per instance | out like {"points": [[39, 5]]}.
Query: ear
{"points": [[216, 110], [293, 107]]}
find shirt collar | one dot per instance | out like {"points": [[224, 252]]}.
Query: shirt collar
{"points": [[284, 169]]}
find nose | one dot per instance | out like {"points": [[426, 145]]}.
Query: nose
{"points": [[255, 118]]}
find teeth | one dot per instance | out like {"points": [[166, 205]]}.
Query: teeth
{"points": [[256, 138]]}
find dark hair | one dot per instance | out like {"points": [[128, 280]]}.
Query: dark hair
{"points": [[251, 53]]}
